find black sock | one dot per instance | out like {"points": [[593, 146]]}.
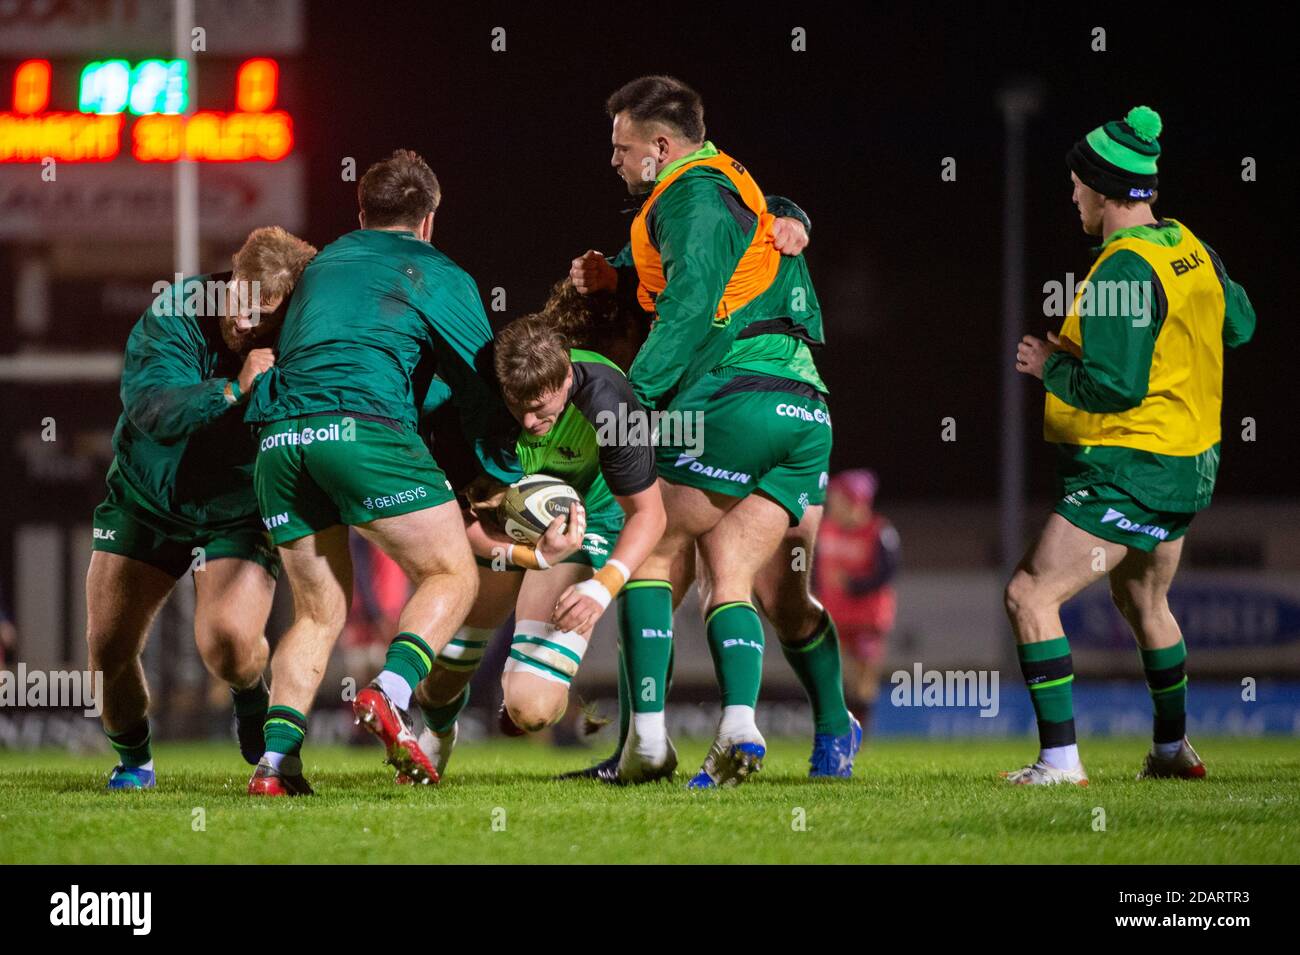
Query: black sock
{"points": [[251, 701]]}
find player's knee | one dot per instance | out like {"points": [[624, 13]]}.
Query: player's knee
{"points": [[455, 565], [450, 574], [533, 712], [542, 664], [230, 650], [110, 652], [467, 580], [1021, 595]]}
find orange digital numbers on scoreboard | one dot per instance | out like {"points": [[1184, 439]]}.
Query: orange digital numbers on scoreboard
{"points": [[32, 87], [256, 85]]}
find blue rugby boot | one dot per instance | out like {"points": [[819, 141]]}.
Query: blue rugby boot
{"points": [[131, 777], [832, 756]]}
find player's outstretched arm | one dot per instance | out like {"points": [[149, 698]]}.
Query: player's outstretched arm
{"points": [[644, 523], [594, 272], [628, 468]]}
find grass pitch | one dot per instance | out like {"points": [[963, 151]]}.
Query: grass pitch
{"points": [[911, 801]]}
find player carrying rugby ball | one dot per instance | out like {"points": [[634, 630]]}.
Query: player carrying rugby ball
{"points": [[568, 402]]}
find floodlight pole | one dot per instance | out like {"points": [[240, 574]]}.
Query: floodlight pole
{"points": [[1017, 103], [185, 181]]}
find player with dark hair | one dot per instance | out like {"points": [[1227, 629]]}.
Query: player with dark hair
{"points": [[1134, 385], [377, 314], [783, 586], [729, 347], [180, 495]]}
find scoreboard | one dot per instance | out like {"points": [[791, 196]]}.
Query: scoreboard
{"points": [[106, 105], [104, 111], [89, 144], [141, 107]]}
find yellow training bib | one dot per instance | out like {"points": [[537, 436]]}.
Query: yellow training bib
{"points": [[1180, 413]]}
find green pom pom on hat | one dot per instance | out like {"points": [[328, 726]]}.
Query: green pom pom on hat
{"points": [[1145, 122], [1118, 159]]}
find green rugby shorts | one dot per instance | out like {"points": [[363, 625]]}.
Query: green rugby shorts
{"points": [[759, 432], [321, 470], [126, 525], [1111, 513]]}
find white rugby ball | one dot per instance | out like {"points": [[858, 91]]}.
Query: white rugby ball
{"points": [[532, 503]]}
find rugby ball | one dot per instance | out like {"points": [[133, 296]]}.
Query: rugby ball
{"points": [[532, 503]]}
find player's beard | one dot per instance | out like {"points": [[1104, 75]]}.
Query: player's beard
{"points": [[242, 343], [636, 186]]}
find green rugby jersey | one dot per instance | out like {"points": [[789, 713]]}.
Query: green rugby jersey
{"points": [[701, 230], [376, 315], [1113, 376], [180, 446], [595, 445]]}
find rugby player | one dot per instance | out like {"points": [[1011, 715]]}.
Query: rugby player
{"points": [[577, 413], [180, 495], [729, 347], [378, 313], [1134, 384], [782, 592]]}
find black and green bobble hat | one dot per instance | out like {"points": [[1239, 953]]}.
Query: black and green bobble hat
{"points": [[1119, 159]]}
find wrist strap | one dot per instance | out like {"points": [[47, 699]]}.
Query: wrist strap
{"points": [[234, 389], [529, 558], [595, 589], [611, 578]]}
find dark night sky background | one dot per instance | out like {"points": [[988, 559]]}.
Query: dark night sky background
{"points": [[854, 129]]}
